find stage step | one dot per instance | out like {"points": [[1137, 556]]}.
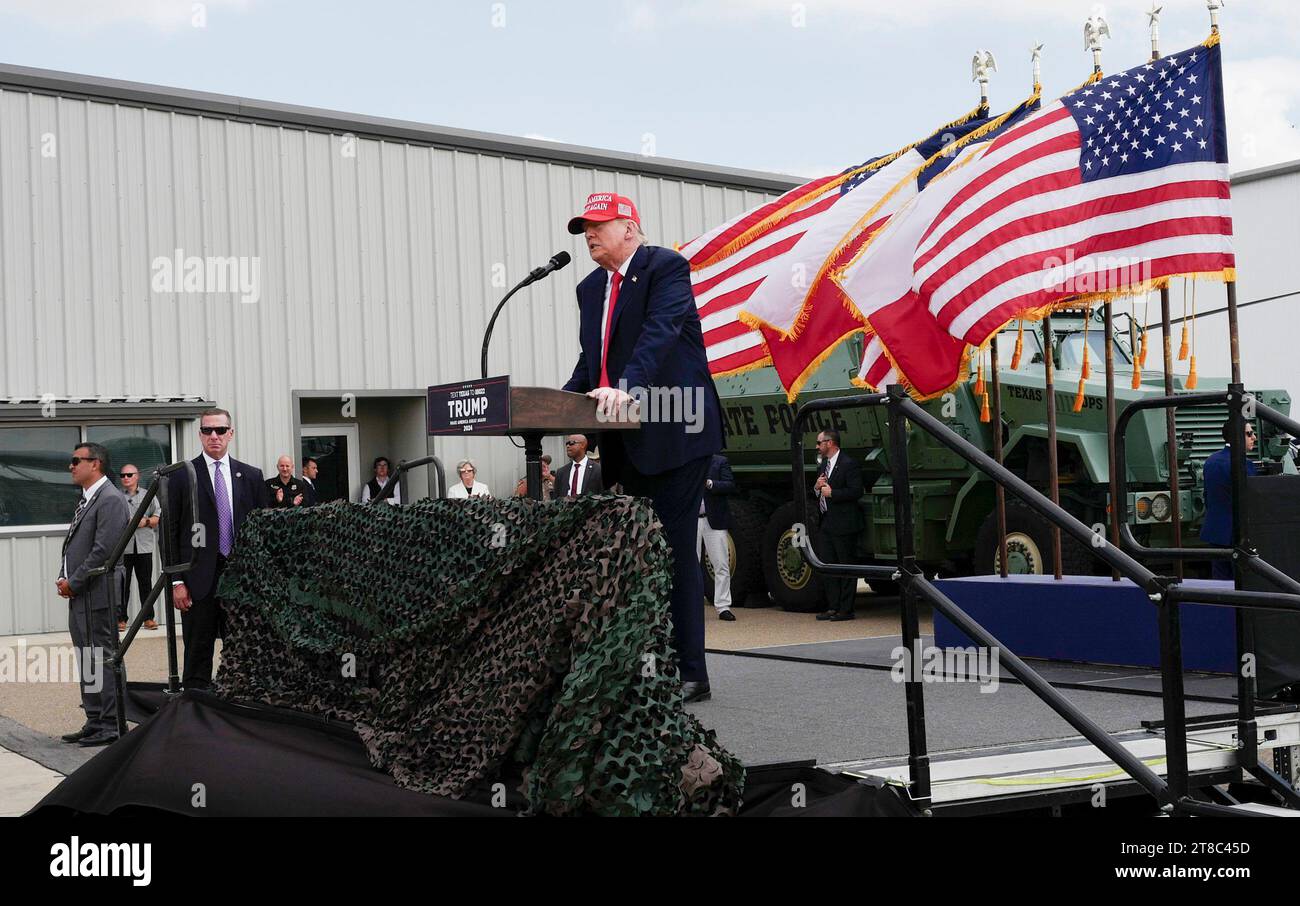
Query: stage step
{"points": [[1052, 767], [1259, 808]]}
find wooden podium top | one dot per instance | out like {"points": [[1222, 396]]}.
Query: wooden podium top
{"points": [[550, 411], [483, 407]]}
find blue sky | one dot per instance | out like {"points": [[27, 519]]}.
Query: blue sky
{"points": [[804, 88]]}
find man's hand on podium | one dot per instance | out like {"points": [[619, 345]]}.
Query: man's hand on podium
{"points": [[612, 404]]}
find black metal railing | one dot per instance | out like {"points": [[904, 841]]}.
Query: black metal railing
{"points": [[1170, 792], [158, 490], [403, 467]]}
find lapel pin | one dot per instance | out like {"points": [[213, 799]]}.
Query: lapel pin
{"points": [[634, 278], [239, 474]]}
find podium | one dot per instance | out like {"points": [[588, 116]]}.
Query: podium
{"points": [[490, 407]]}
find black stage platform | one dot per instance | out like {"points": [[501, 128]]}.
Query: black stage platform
{"points": [[793, 702]]}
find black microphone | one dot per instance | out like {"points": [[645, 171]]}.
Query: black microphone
{"points": [[558, 261]]}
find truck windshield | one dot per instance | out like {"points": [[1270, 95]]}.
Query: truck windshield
{"points": [[1072, 351]]}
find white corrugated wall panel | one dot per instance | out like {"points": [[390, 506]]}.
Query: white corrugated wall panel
{"points": [[1266, 227], [380, 260]]}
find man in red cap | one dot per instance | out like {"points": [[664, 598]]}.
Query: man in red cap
{"points": [[640, 340]]}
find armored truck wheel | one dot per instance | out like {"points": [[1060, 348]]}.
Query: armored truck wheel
{"points": [[1029, 546], [743, 543], [790, 580]]}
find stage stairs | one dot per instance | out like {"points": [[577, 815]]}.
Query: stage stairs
{"points": [[1187, 768]]}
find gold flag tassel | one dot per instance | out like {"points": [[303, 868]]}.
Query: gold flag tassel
{"points": [[1182, 347], [982, 389], [1086, 370], [1020, 346], [1137, 354], [979, 371], [1191, 373], [1142, 340]]}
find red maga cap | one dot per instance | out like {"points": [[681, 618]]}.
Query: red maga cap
{"points": [[602, 206]]}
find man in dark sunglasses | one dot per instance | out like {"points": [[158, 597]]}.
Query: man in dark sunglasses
{"points": [[228, 491], [96, 525], [138, 556]]}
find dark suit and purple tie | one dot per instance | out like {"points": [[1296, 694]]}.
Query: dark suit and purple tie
{"points": [[228, 491]]}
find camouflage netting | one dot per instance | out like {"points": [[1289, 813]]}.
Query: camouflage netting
{"points": [[457, 636]]}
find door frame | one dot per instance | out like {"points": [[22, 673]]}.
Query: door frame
{"points": [[353, 434]]}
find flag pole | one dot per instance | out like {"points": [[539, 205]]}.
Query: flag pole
{"points": [[1000, 494], [1049, 393], [1247, 730], [980, 68], [1108, 313], [1094, 29], [1171, 438]]}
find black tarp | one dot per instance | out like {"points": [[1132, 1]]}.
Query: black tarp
{"points": [[259, 761], [251, 762]]}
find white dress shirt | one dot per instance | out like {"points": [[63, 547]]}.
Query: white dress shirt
{"points": [[87, 494], [579, 468], [393, 499], [604, 312], [830, 467], [227, 477]]}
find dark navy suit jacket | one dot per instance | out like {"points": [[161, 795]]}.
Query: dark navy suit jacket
{"points": [[249, 494], [1217, 474], [715, 498], [656, 342]]}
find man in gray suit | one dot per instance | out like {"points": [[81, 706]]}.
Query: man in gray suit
{"points": [[581, 474], [97, 524]]}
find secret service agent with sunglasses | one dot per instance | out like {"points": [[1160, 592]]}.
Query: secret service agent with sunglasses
{"points": [[228, 491]]}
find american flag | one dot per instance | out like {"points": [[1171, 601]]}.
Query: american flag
{"points": [[771, 262], [1109, 190]]}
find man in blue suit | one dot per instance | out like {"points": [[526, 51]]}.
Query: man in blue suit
{"points": [[640, 341], [228, 492], [1217, 529]]}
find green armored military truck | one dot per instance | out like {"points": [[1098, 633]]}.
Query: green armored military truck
{"points": [[956, 531]]}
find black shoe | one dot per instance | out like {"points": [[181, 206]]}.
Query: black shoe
{"points": [[695, 692], [99, 738], [838, 617], [826, 615], [79, 735], [727, 615]]}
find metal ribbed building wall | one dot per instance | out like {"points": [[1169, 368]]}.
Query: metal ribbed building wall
{"points": [[1266, 237], [380, 259]]}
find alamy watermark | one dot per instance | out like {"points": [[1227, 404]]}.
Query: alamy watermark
{"points": [[931, 664], [51, 664], [1094, 273], [181, 273], [661, 405]]}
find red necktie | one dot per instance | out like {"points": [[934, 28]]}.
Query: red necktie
{"points": [[574, 491], [609, 328]]}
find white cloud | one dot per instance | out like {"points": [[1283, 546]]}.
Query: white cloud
{"points": [[165, 15], [1262, 101]]}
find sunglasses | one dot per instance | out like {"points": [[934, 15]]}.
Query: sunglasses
{"points": [[218, 430], [129, 474], [571, 443], [78, 460], [467, 471]]}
